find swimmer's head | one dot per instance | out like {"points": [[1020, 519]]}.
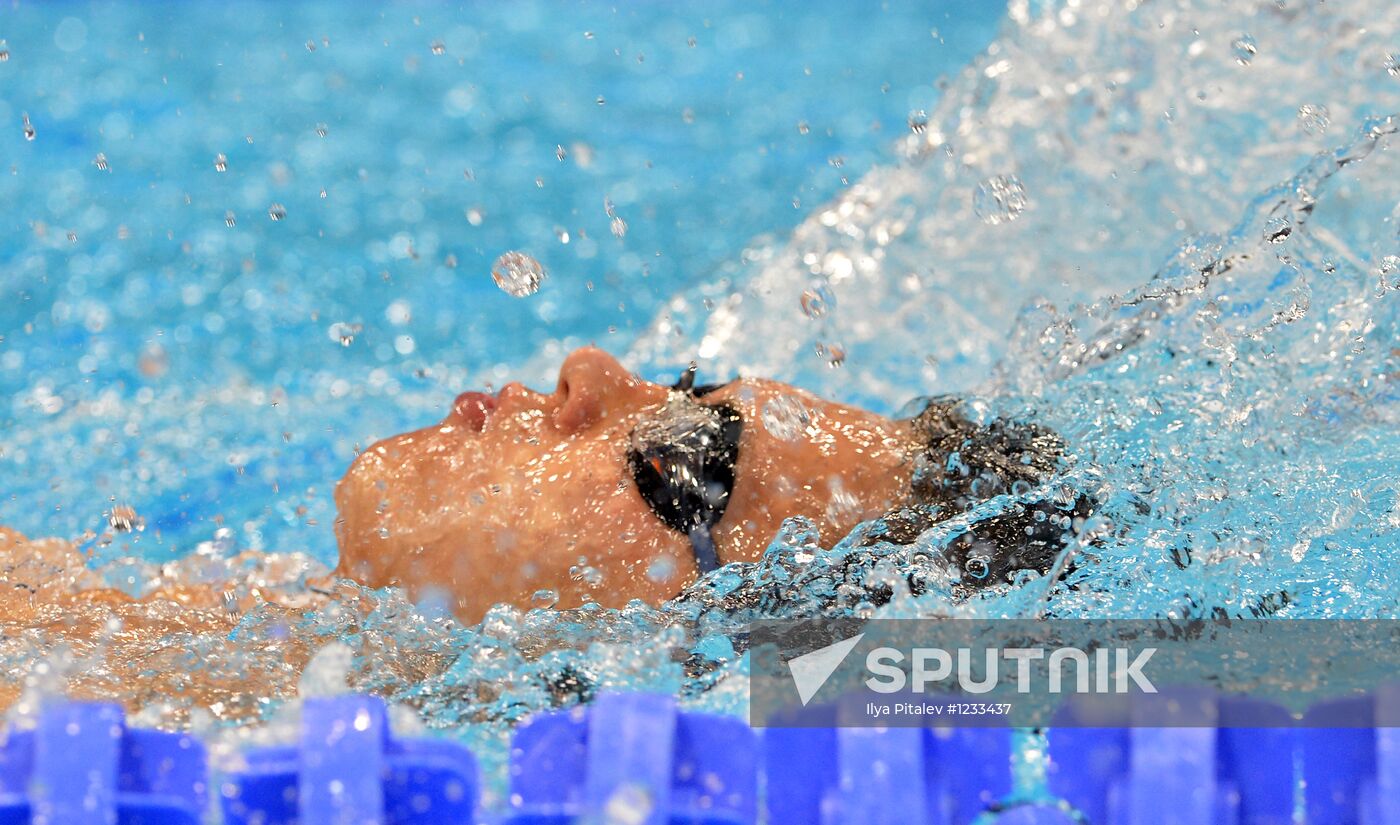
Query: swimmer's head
{"points": [[574, 496]]}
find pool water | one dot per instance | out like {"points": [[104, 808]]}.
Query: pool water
{"points": [[147, 340], [1169, 230]]}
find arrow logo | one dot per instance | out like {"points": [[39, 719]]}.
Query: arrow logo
{"points": [[811, 670]]}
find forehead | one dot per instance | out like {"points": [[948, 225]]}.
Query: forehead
{"points": [[747, 391]]}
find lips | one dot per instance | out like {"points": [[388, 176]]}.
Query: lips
{"points": [[473, 408]]}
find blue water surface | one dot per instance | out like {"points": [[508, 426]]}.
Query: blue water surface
{"points": [[166, 344]]}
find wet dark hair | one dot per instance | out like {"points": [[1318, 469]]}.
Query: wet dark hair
{"points": [[963, 464]]}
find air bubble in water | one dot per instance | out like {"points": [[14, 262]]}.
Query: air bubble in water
{"points": [[817, 301], [517, 274], [802, 127], [101, 162], [560, 152], [230, 220], [1245, 49], [785, 417], [438, 47], [601, 101], [1392, 63], [321, 130], [1277, 230], [343, 333], [999, 199], [4, 52], [220, 163], [619, 227], [277, 211], [918, 121], [1313, 119], [29, 132], [544, 598]]}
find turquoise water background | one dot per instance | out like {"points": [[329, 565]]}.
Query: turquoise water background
{"points": [[165, 344]]}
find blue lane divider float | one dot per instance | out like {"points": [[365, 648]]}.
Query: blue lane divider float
{"points": [[1239, 773], [83, 766], [1351, 774], [633, 758], [820, 774], [348, 770]]}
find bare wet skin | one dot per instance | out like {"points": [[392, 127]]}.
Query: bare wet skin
{"points": [[508, 498]]}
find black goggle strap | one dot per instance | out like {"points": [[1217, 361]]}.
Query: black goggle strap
{"points": [[706, 556]]}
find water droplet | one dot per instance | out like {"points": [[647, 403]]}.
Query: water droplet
{"points": [[817, 301], [230, 220], [619, 227], [918, 121], [785, 417], [220, 163], [101, 162], [1389, 273], [321, 130], [999, 199], [277, 211], [560, 152], [601, 101], [835, 354], [1245, 49], [544, 598], [29, 132], [517, 274], [802, 127], [343, 333], [439, 47], [1313, 119], [589, 575], [1277, 230], [977, 567], [123, 519]]}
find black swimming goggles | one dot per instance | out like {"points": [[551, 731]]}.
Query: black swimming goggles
{"points": [[683, 463]]}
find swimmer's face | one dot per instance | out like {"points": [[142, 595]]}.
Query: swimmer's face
{"points": [[528, 498]]}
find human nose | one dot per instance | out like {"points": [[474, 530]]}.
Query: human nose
{"points": [[591, 386]]}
